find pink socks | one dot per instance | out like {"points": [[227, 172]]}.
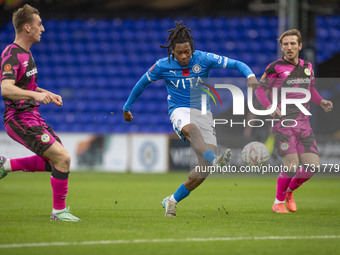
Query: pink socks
{"points": [[30, 164], [302, 175], [287, 181], [59, 179], [282, 184], [59, 182]]}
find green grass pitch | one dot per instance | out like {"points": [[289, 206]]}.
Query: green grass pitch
{"points": [[122, 214]]}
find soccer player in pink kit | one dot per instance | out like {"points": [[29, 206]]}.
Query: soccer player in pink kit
{"points": [[294, 140], [22, 120]]}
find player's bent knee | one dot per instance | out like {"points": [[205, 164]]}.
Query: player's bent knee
{"points": [[67, 160], [61, 160]]}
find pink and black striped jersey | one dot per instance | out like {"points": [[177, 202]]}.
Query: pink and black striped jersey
{"points": [[283, 74], [18, 64]]}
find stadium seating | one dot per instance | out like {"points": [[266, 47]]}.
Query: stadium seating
{"points": [[94, 64], [328, 37]]}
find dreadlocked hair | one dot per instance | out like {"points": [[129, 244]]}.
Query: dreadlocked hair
{"points": [[180, 34]]}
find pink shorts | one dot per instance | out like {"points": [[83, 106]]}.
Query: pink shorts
{"points": [[31, 131], [295, 141]]}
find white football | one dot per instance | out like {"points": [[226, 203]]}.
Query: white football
{"points": [[255, 154]]}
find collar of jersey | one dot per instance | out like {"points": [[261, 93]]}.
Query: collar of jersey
{"points": [[289, 62]]}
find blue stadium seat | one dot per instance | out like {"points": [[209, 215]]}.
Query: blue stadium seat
{"points": [[94, 64]]}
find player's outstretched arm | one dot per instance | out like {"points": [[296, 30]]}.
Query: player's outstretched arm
{"points": [[128, 116], [245, 70], [135, 93]]}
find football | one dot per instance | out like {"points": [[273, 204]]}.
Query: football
{"points": [[255, 154]]}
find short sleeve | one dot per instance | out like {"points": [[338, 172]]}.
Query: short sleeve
{"points": [[9, 68], [267, 79]]}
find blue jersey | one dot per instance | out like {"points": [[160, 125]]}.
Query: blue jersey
{"points": [[184, 84]]}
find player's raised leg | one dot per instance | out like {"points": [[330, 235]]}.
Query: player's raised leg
{"points": [[206, 155], [27, 164], [189, 131], [223, 159]]}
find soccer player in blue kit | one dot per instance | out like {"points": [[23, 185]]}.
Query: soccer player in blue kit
{"points": [[183, 70]]}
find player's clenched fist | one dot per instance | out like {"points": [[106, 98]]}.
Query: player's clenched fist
{"points": [[128, 116], [326, 105], [252, 82]]}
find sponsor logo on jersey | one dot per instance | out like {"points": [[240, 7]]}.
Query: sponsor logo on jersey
{"points": [[286, 73], [196, 68], [298, 81], [307, 72], [32, 72], [173, 71], [7, 69], [45, 138], [25, 64], [193, 81]]}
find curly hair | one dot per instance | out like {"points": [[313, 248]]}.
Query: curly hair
{"points": [[180, 34]]}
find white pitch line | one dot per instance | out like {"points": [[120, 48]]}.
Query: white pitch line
{"points": [[170, 240]]}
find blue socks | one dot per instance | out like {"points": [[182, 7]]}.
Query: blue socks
{"points": [[181, 193], [209, 156]]}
